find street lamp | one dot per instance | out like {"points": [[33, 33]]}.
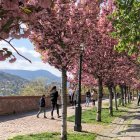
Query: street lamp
{"points": [[78, 108]]}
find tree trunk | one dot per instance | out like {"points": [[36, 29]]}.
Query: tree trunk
{"points": [[133, 94], [110, 101], [128, 94], [125, 99], [122, 95], [128, 98], [100, 95], [137, 94], [64, 106], [115, 96]]}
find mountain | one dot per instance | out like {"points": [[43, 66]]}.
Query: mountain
{"points": [[11, 84], [31, 75]]}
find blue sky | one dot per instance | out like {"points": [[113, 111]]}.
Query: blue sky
{"points": [[26, 48]]}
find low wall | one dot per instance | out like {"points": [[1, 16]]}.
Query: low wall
{"points": [[16, 104]]}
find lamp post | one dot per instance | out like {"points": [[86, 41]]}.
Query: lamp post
{"points": [[78, 108]]}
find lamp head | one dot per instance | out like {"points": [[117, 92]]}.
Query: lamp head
{"points": [[82, 47]]}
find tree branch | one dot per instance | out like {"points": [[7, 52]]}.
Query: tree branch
{"points": [[15, 49], [11, 39]]}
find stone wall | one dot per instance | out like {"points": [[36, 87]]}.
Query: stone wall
{"points": [[16, 104]]}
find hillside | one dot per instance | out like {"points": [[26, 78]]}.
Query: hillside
{"points": [[11, 84], [31, 75]]}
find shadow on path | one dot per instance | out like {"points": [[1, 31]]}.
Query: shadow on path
{"points": [[134, 128], [10, 117]]}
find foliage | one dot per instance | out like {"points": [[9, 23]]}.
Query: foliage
{"points": [[5, 54], [57, 37], [15, 13], [56, 136], [11, 84], [126, 21], [36, 87]]}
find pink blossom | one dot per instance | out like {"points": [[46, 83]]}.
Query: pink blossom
{"points": [[12, 60]]}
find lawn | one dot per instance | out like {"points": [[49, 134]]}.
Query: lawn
{"points": [[56, 136], [89, 116]]}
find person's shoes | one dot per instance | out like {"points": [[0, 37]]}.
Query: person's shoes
{"points": [[45, 117], [37, 116], [59, 116], [52, 118]]}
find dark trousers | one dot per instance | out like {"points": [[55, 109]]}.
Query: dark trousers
{"points": [[71, 100], [42, 109], [74, 103], [138, 100], [93, 102], [55, 105]]}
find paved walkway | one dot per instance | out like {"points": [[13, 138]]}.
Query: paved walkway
{"points": [[27, 123], [124, 128]]}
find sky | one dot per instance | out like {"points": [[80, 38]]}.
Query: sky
{"points": [[26, 48]]}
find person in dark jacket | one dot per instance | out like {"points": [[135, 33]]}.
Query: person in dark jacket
{"points": [[54, 98], [138, 98], [42, 106]]}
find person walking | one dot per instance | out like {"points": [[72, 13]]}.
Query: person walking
{"points": [[54, 98], [74, 98], [70, 92], [130, 96], [138, 98], [42, 106], [88, 96]]}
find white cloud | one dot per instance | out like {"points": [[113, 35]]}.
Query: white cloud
{"points": [[22, 64], [23, 26], [24, 50], [3, 44]]}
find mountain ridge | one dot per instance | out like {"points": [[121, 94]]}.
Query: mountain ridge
{"points": [[11, 84], [31, 75]]}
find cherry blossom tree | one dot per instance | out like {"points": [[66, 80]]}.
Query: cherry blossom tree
{"points": [[57, 37], [101, 60], [51, 37], [93, 62]]}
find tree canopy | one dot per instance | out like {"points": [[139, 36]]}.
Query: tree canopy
{"points": [[126, 21]]}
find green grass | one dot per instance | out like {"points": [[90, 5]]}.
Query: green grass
{"points": [[126, 106], [89, 116], [56, 136], [106, 104]]}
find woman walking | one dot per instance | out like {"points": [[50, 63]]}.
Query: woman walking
{"points": [[54, 98]]}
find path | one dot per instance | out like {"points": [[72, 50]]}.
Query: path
{"points": [[124, 128], [27, 123]]}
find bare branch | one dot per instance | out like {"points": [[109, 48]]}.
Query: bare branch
{"points": [[15, 49], [11, 39]]}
